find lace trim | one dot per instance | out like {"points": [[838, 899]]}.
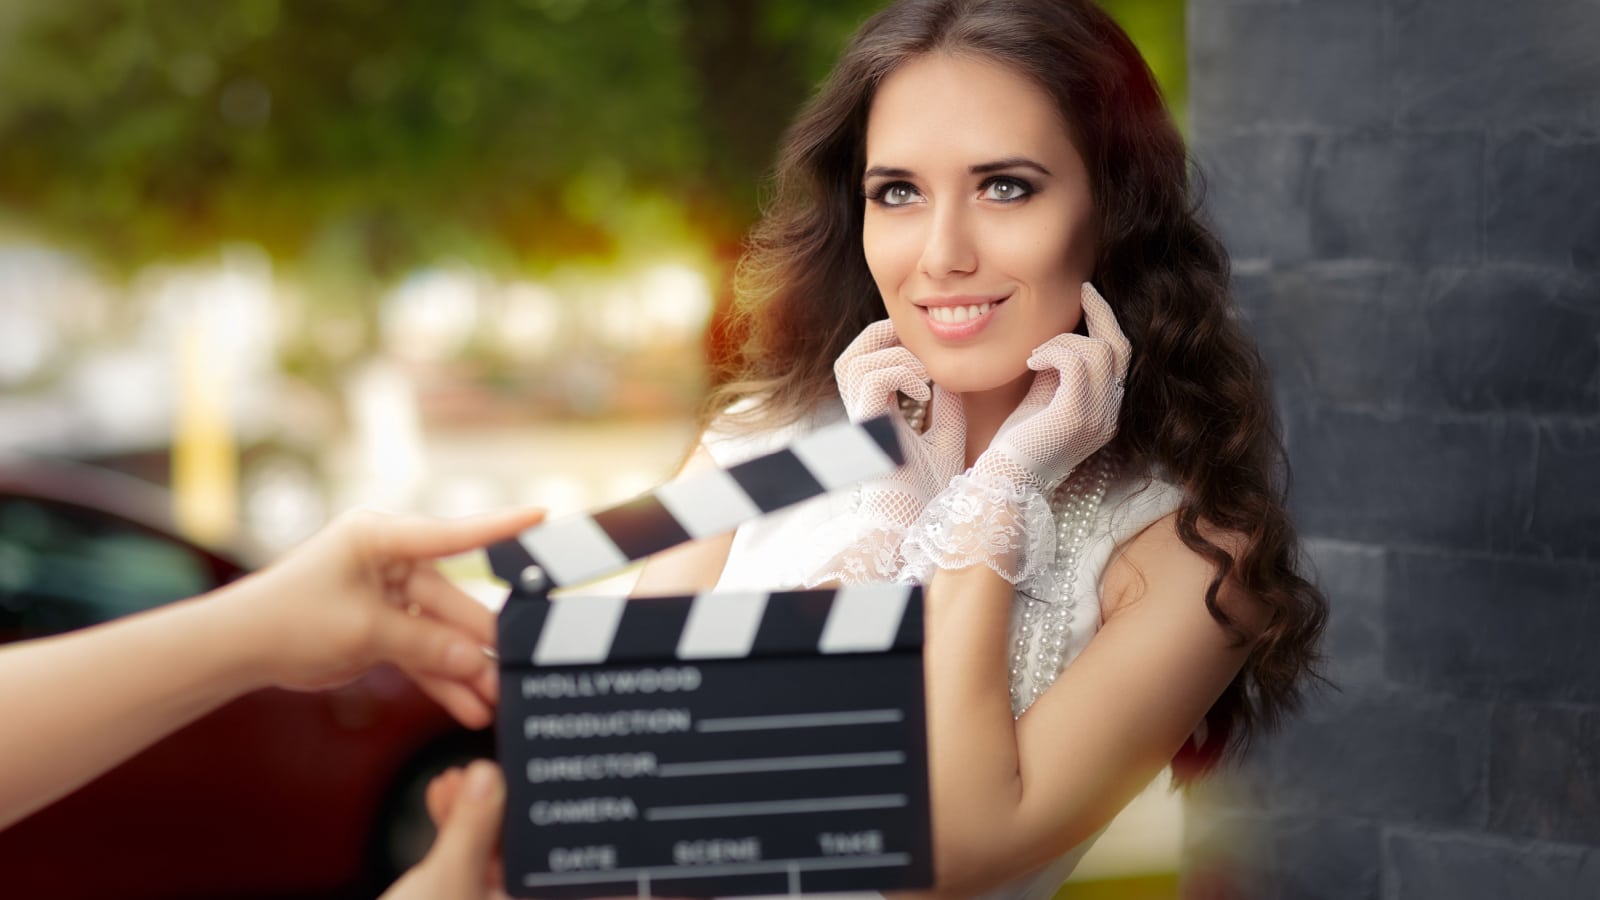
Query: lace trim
{"points": [[853, 549], [983, 519]]}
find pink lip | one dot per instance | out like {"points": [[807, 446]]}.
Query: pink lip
{"points": [[958, 331]]}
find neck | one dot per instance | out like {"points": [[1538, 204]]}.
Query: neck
{"points": [[987, 410]]}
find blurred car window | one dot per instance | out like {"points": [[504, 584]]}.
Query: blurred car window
{"points": [[64, 567]]}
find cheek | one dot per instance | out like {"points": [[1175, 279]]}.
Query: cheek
{"points": [[890, 254], [1057, 265]]}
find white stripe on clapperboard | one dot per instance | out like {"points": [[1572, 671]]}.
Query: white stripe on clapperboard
{"points": [[863, 618], [722, 625], [573, 549], [841, 455], [580, 632], [710, 503]]}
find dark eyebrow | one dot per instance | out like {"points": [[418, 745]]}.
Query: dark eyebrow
{"points": [[999, 165], [1010, 162]]}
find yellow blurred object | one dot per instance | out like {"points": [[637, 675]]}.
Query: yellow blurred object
{"points": [[205, 457]]}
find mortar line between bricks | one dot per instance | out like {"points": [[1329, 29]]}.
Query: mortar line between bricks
{"points": [[1470, 553]]}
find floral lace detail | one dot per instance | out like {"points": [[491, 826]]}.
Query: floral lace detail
{"points": [[855, 549], [982, 519]]}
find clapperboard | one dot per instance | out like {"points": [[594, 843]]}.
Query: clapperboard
{"points": [[723, 744]]}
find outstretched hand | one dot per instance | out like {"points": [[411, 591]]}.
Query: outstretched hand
{"points": [[364, 592]]}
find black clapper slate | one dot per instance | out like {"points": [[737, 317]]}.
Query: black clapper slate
{"points": [[725, 744]]}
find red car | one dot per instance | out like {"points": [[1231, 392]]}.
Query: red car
{"points": [[278, 794]]}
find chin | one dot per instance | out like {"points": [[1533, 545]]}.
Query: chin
{"points": [[958, 378]]}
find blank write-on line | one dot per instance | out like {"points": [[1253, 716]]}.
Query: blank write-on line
{"points": [[802, 720], [774, 807], [661, 873], [780, 764]]}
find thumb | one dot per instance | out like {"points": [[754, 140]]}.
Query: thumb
{"points": [[468, 836]]}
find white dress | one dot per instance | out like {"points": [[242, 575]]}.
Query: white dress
{"points": [[1096, 513]]}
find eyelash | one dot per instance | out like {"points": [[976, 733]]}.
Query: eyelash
{"points": [[1026, 187]]}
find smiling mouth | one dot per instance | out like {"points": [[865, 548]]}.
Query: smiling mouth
{"points": [[956, 315]]}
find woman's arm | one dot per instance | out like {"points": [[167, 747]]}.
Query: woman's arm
{"points": [[1010, 796], [360, 593]]}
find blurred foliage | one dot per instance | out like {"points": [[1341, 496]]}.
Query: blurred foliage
{"points": [[356, 139]]}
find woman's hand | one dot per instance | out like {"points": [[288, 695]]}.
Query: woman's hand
{"points": [[871, 372], [873, 368], [360, 593], [998, 513], [364, 592], [468, 808], [1072, 408]]}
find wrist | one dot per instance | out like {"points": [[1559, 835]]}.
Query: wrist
{"points": [[982, 520], [234, 619], [1012, 472]]}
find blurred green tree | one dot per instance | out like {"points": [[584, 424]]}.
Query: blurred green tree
{"points": [[355, 139]]}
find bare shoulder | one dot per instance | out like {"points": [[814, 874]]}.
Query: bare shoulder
{"points": [[1157, 567]]}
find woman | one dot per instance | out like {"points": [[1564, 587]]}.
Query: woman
{"points": [[984, 221]]}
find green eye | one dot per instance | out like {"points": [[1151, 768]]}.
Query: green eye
{"points": [[899, 194], [1006, 189]]}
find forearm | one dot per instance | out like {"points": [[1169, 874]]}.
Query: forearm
{"points": [[977, 788], [79, 704]]}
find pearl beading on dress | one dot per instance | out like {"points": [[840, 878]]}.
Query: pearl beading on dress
{"points": [[915, 411], [1046, 624]]}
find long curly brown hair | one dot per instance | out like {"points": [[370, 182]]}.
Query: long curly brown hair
{"points": [[1197, 407]]}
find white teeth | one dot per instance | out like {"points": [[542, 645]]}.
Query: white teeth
{"points": [[952, 315]]}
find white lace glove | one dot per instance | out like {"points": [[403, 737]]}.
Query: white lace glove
{"points": [[998, 513], [864, 546]]}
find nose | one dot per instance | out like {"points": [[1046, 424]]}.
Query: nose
{"points": [[948, 247]]}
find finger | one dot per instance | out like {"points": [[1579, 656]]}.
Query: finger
{"points": [[915, 383], [895, 366], [1101, 324], [467, 839], [463, 703], [868, 385], [440, 796], [487, 685], [417, 537], [874, 337], [440, 598], [424, 644]]}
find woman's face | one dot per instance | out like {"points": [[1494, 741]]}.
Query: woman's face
{"points": [[978, 225]]}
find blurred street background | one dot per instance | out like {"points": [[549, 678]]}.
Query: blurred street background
{"points": [[288, 257], [284, 257]]}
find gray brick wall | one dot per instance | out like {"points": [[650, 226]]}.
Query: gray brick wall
{"points": [[1411, 193]]}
